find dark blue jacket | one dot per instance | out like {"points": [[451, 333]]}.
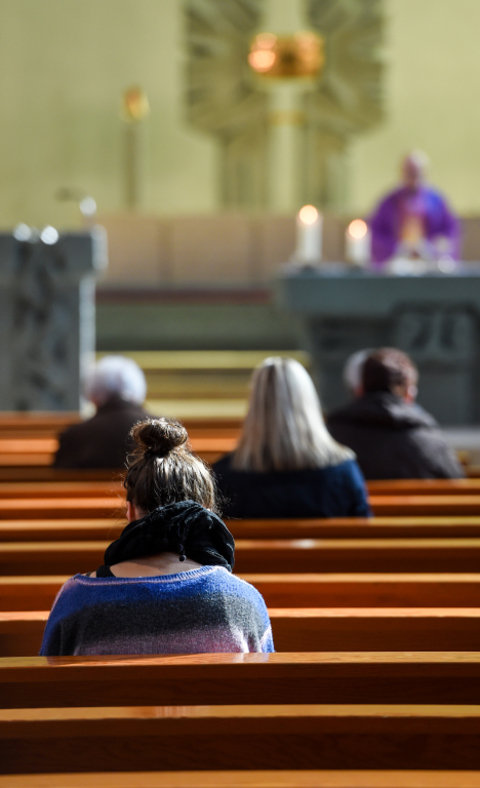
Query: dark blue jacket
{"points": [[334, 491]]}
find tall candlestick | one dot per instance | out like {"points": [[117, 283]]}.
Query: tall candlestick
{"points": [[309, 235], [357, 242], [135, 109]]}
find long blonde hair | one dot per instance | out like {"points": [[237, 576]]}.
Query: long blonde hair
{"points": [[284, 427]]}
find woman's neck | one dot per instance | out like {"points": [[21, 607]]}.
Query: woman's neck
{"points": [[152, 565]]}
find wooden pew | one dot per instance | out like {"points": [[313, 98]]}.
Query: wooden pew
{"points": [[28, 444], [405, 504], [28, 452], [96, 488], [472, 471], [37, 592], [62, 508], [382, 505], [29, 458], [312, 629], [232, 737], [42, 424], [217, 679], [268, 555], [63, 488], [251, 778], [109, 528], [49, 424], [423, 486], [40, 473]]}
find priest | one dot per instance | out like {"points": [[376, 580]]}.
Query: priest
{"points": [[414, 220]]}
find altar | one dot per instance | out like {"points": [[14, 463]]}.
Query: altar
{"points": [[434, 318]]}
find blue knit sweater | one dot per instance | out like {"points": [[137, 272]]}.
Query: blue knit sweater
{"points": [[203, 610]]}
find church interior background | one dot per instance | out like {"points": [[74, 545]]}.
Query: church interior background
{"points": [[197, 164]]}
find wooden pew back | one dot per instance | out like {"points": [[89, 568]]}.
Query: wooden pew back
{"points": [[109, 528], [382, 505], [37, 592], [251, 778], [219, 737], [313, 629], [268, 555], [217, 679]]}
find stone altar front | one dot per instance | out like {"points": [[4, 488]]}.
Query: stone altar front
{"points": [[47, 316], [434, 318]]}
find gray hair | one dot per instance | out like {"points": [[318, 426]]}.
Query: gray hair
{"points": [[115, 376], [353, 369], [284, 428]]}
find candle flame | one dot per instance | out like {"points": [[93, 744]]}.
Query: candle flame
{"points": [[262, 60], [357, 229], [308, 214]]}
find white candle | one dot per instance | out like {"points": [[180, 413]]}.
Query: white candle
{"points": [[357, 242], [309, 235]]}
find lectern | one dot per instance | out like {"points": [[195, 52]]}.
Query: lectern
{"points": [[47, 316], [435, 318]]}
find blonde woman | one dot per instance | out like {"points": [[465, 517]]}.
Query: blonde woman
{"points": [[286, 463]]}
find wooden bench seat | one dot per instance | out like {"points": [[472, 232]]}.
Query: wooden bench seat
{"points": [[27, 445], [63, 488], [109, 528], [40, 423], [23, 472], [250, 778], [423, 486], [235, 737], [33, 452], [71, 529], [406, 504], [37, 592], [312, 629], [217, 679], [40, 473], [268, 555], [49, 424], [382, 506], [62, 508], [95, 487]]}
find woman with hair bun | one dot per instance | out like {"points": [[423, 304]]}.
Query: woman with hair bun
{"points": [[286, 463], [166, 584]]}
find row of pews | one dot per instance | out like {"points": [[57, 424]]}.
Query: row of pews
{"points": [[375, 682], [28, 443]]}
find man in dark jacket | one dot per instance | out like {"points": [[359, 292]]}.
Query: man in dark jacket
{"points": [[117, 388], [392, 436]]}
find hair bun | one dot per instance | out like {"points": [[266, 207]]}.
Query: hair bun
{"points": [[157, 437]]}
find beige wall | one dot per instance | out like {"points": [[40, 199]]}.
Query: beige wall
{"points": [[432, 102], [63, 67], [65, 63]]}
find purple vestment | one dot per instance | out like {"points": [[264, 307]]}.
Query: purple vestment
{"points": [[432, 211]]}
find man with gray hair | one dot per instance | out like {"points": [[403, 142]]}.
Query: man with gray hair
{"points": [[116, 386], [392, 436]]}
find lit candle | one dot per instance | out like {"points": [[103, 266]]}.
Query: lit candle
{"points": [[357, 242], [309, 235]]}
